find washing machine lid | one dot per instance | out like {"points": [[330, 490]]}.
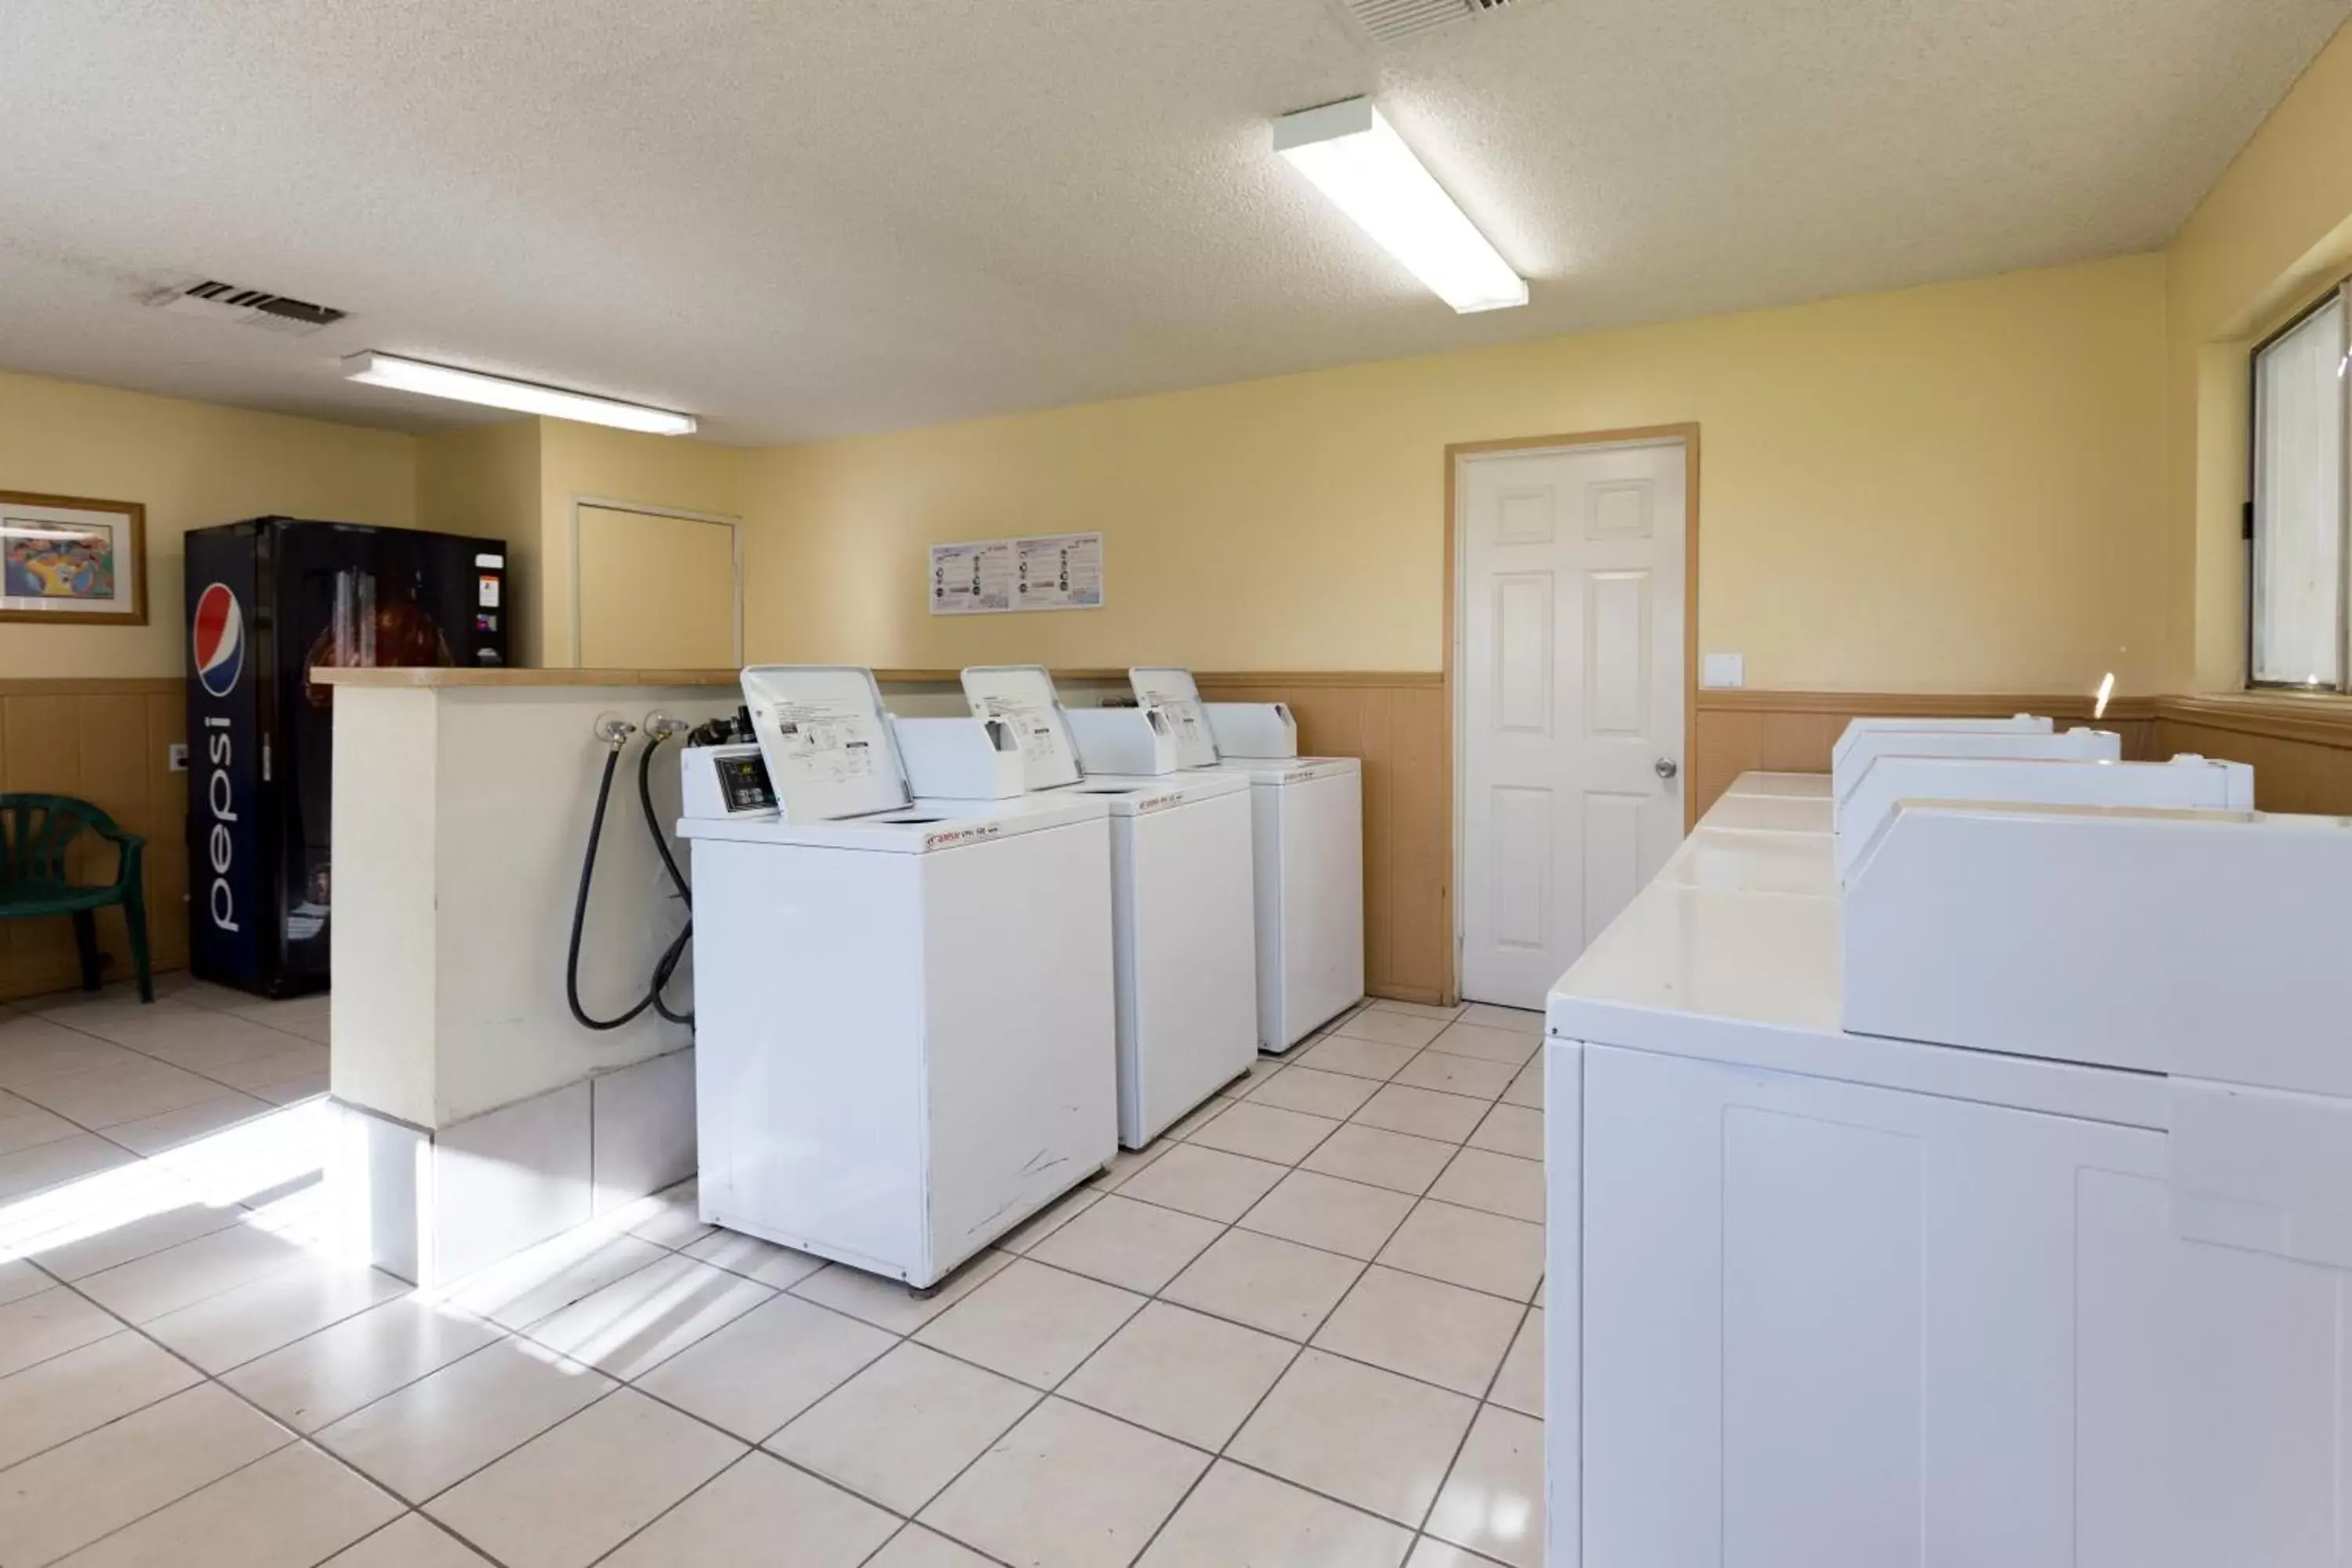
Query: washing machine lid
{"points": [[1275, 772], [1141, 794], [1022, 695], [925, 826], [2001, 926], [1172, 692], [1772, 813], [1863, 747], [2017, 724], [1789, 786], [828, 744]]}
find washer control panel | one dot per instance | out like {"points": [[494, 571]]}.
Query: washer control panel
{"points": [[728, 783]]}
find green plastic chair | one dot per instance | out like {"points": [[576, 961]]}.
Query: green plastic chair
{"points": [[36, 830]]}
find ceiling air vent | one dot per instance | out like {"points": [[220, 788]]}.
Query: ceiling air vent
{"points": [[245, 307], [1389, 20]]}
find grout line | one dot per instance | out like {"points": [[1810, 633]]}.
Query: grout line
{"points": [[184, 1497], [906, 1525], [1485, 1400], [691, 1492], [1419, 1198], [118, 1416], [1297, 1349], [264, 1104], [302, 1256], [1298, 1352], [522, 1331], [293, 1436], [440, 1491], [405, 1510]]}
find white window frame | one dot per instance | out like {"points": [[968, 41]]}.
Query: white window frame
{"points": [[2257, 490]]}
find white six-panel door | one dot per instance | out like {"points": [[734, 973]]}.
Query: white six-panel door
{"points": [[1570, 700]]}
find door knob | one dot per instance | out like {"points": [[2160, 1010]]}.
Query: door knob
{"points": [[1667, 767]]}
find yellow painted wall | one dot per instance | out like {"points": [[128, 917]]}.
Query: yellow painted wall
{"points": [[1953, 487], [2015, 482], [2275, 230], [590, 461], [518, 480], [191, 464], [656, 591], [486, 480]]}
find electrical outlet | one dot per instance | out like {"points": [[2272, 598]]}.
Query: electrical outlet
{"points": [[176, 756]]}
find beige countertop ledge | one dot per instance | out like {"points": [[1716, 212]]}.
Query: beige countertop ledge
{"points": [[448, 676], [1232, 680], [443, 675]]}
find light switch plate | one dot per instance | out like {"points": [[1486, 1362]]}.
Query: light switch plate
{"points": [[1723, 671]]}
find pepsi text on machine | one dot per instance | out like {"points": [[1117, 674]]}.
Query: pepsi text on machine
{"points": [[216, 639], [225, 850]]}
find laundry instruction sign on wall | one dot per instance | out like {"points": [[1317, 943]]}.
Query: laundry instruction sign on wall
{"points": [[1002, 577]]}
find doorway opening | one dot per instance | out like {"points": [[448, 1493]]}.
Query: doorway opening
{"points": [[1571, 602]]}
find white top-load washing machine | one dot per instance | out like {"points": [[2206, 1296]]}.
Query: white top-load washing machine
{"points": [[1859, 747], [2201, 953], [1857, 730], [2187, 780], [1307, 819], [904, 1007], [1997, 1208], [1182, 918]]}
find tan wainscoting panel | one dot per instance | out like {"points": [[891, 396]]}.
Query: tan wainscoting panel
{"points": [[1396, 724], [2299, 747], [106, 741], [1792, 731]]}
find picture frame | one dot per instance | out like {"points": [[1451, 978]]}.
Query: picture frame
{"points": [[72, 561]]}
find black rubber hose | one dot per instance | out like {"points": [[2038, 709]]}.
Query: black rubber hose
{"points": [[665, 967], [653, 823], [676, 952], [580, 909]]}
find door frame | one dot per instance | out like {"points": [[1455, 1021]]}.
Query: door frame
{"points": [[1449, 779], [733, 525]]}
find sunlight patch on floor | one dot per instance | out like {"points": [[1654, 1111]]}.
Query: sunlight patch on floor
{"points": [[276, 1162]]}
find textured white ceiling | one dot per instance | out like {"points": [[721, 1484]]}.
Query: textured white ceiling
{"points": [[799, 219]]}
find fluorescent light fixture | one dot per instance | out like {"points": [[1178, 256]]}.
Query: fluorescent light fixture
{"points": [[2107, 689], [1357, 160], [522, 396]]}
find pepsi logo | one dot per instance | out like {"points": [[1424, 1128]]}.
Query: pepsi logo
{"points": [[217, 639]]}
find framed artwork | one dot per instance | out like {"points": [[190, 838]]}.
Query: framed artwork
{"points": [[70, 560]]}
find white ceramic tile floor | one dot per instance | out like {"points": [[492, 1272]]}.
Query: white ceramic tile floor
{"points": [[1069, 1488], [1359, 1059], [1513, 1048], [1376, 1157], [1135, 1245], [1315, 1093], [66, 1395], [1182, 1372], [1192, 1361], [1313, 1210], [1389, 1028]]}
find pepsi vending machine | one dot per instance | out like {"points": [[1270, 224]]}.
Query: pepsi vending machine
{"points": [[269, 600]]}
